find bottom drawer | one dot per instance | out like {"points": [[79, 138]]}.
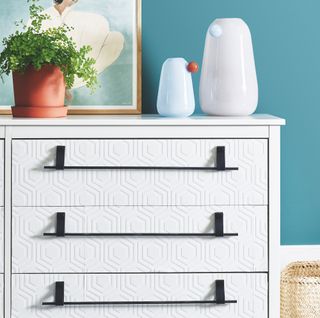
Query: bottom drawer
{"points": [[31, 291]]}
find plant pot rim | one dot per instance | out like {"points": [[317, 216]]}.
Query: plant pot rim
{"points": [[39, 112]]}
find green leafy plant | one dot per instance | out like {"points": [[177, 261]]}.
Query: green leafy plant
{"points": [[34, 46]]}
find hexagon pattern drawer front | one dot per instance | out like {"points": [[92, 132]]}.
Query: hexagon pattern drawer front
{"points": [[1, 240], [35, 186], [32, 291], [1, 173], [83, 250]]}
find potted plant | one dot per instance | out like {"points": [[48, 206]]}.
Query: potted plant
{"points": [[44, 63]]}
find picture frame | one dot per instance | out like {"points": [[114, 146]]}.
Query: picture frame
{"points": [[122, 93]]}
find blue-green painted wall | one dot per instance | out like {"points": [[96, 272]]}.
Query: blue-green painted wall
{"points": [[286, 36]]}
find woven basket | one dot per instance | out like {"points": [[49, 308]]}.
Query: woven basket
{"points": [[300, 290]]}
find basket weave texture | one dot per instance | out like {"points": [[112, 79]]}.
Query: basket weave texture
{"points": [[300, 290]]}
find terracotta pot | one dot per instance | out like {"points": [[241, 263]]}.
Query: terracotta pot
{"points": [[39, 94]]}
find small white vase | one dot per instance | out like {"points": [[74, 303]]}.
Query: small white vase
{"points": [[175, 95], [228, 84]]}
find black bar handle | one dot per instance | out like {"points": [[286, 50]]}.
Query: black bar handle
{"points": [[221, 158], [61, 224], [59, 294], [60, 157], [59, 299], [60, 164], [218, 230], [220, 292], [219, 224]]}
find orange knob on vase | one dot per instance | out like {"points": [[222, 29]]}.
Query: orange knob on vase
{"points": [[193, 67]]}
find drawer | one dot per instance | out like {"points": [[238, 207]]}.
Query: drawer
{"points": [[97, 291], [88, 247], [81, 185], [1, 241], [1, 173]]}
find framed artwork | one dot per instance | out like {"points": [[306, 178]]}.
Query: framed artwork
{"points": [[113, 29]]}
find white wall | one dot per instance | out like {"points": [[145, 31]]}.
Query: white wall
{"points": [[291, 254]]}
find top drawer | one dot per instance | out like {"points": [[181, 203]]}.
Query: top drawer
{"points": [[82, 185], [1, 173]]}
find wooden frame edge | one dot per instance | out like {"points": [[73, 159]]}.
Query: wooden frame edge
{"points": [[5, 112]]}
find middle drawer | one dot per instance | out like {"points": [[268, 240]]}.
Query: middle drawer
{"points": [[140, 239]]}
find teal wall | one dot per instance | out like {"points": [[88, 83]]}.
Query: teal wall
{"points": [[286, 36]]}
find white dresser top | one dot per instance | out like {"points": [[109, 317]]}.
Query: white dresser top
{"points": [[144, 120]]}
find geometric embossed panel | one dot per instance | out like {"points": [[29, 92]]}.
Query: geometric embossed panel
{"points": [[33, 253], [1, 173], [250, 290], [34, 186], [1, 242]]}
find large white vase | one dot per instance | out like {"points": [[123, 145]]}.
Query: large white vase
{"points": [[228, 85]]}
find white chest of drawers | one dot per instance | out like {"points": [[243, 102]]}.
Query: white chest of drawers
{"points": [[141, 217]]}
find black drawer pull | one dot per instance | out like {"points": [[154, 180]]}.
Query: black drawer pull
{"points": [[59, 299], [60, 164], [218, 230]]}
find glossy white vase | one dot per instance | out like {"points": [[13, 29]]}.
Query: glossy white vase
{"points": [[175, 95], [228, 84]]}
